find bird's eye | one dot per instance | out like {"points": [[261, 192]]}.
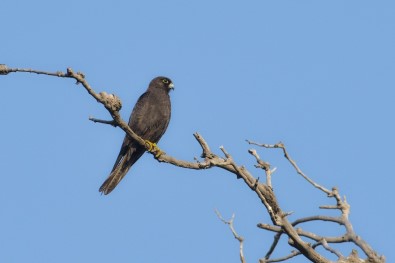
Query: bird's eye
{"points": [[165, 81]]}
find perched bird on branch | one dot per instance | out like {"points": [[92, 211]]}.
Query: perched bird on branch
{"points": [[149, 120]]}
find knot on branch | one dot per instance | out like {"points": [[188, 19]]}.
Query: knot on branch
{"points": [[79, 76], [353, 258], [207, 155], [3, 69], [82, 75], [70, 72], [110, 101]]}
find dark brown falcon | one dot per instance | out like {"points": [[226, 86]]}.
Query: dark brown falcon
{"points": [[149, 120]]}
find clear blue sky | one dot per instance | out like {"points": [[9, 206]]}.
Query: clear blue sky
{"points": [[317, 75]]}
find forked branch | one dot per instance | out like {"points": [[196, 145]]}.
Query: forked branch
{"points": [[342, 219], [264, 191], [235, 235]]}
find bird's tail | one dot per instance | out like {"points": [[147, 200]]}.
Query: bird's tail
{"points": [[117, 174]]}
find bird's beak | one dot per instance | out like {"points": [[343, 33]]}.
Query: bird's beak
{"points": [[171, 86]]}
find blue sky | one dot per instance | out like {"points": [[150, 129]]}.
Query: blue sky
{"points": [[317, 75]]}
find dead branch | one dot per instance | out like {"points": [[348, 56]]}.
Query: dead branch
{"points": [[264, 191], [236, 236], [341, 204]]}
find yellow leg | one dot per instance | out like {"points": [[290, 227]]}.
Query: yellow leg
{"points": [[153, 148]]}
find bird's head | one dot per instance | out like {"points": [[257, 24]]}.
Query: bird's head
{"points": [[161, 83]]}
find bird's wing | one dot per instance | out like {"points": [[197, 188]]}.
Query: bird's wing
{"points": [[151, 115], [128, 144]]}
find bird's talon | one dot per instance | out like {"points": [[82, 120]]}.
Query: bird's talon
{"points": [[158, 153], [151, 145], [153, 148]]}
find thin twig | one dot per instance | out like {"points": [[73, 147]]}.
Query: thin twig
{"points": [[334, 251], [263, 165], [112, 122], [239, 238], [294, 253], [293, 163]]}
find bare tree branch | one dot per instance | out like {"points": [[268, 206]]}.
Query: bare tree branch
{"points": [[327, 247], [341, 204], [294, 253], [263, 165], [112, 122], [264, 191], [239, 238], [281, 146]]}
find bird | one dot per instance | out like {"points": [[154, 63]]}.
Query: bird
{"points": [[149, 120]]}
